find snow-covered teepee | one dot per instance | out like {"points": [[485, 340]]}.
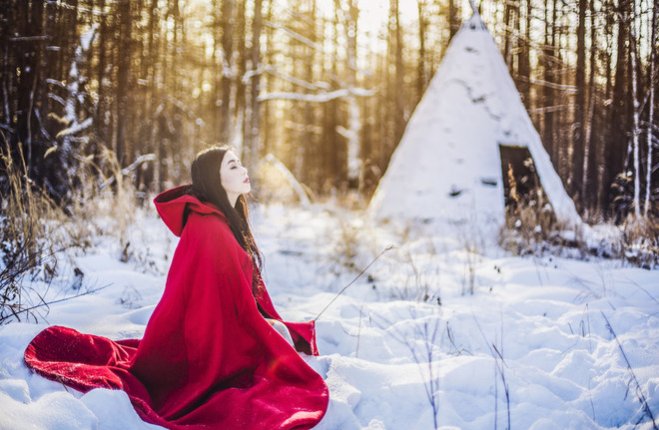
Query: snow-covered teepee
{"points": [[447, 165]]}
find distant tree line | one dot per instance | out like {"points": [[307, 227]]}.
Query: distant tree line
{"points": [[153, 81], [591, 94]]}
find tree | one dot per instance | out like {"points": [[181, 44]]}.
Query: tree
{"points": [[650, 123], [615, 154], [578, 148], [124, 53], [226, 71], [252, 115]]}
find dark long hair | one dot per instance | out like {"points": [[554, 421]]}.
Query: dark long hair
{"points": [[207, 187]]}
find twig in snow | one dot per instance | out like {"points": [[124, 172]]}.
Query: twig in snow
{"points": [[590, 341], [499, 370], [451, 338], [354, 280], [359, 331], [47, 304], [590, 398], [425, 358], [647, 293], [639, 391], [537, 271]]}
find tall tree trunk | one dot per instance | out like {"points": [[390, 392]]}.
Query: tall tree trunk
{"points": [[618, 123], [453, 18], [421, 79], [53, 53], [6, 75], [592, 138], [240, 101], [508, 9], [603, 186], [548, 64], [335, 146], [353, 137], [227, 72], [28, 72], [635, 114], [146, 173], [123, 77], [69, 32], [399, 108], [100, 120], [562, 135], [266, 129], [578, 150], [524, 58], [310, 137], [252, 144], [650, 126]]}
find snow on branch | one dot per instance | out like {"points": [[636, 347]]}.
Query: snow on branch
{"points": [[568, 89], [57, 99], [94, 11], [295, 185], [144, 158], [87, 38], [184, 108], [294, 35], [55, 82], [555, 108], [29, 38], [318, 98], [76, 128], [300, 82], [254, 72]]}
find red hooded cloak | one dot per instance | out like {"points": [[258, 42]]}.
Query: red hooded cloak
{"points": [[208, 358]]}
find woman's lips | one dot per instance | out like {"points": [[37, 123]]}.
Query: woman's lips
{"points": [[246, 181]]}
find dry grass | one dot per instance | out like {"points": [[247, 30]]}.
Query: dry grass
{"points": [[25, 230], [112, 202], [531, 226], [37, 236], [640, 241], [532, 229]]}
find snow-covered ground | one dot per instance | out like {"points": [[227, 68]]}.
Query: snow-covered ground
{"points": [[530, 348]]}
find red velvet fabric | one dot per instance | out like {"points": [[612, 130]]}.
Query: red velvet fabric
{"points": [[208, 358]]}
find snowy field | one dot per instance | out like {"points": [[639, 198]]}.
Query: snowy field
{"points": [[438, 328]]}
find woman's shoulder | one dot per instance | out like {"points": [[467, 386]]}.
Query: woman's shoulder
{"points": [[210, 234], [206, 224]]}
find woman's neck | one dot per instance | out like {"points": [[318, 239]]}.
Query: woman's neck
{"points": [[233, 198]]}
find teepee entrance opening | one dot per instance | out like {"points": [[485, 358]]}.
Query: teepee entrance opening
{"points": [[522, 187]]}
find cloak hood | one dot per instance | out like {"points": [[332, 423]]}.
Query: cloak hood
{"points": [[171, 205]]}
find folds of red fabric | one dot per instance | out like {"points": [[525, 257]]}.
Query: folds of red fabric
{"points": [[208, 358]]}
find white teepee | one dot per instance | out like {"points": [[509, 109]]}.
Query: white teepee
{"points": [[447, 165]]}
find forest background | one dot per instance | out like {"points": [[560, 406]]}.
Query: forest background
{"points": [[92, 87]]}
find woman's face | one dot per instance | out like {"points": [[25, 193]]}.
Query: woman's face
{"points": [[233, 175]]}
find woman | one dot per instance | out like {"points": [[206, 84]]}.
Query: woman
{"points": [[209, 357]]}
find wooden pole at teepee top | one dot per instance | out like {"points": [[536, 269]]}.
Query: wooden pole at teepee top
{"points": [[474, 7]]}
